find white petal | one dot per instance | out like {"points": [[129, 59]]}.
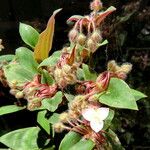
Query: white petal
{"points": [[102, 113], [88, 114], [96, 125]]}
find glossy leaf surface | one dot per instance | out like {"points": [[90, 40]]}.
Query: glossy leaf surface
{"points": [[28, 34], [26, 59], [118, 95]]}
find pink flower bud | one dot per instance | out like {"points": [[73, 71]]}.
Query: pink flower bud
{"points": [[91, 45], [81, 39], [96, 36], [103, 80], [96, 5], [73, 35], [46, 91]]}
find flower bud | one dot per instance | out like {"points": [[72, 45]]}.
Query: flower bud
{"points": [[103, 80], [63, 117], [112, 66], [32, 105], [13, 91], [19, 95], [126, 68], [73, 35], [58, 127], [91, 45], [81, 39], [66, 69], [96, 36], [96, 5]]}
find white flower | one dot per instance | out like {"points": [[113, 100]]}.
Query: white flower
{"points": [[96, 117]]}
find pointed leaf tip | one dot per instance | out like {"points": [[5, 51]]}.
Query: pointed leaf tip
{"points": [[45, 41]]}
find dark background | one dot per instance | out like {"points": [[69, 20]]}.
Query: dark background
{"points": [[134, 127]]}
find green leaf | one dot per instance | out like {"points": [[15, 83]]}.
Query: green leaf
{"points": [[70, 140], [47, 78], [103, 43], [88, 75], [109, 119], [80, 74], [137, 94], [126, 17], [69, 97], [44, 123], [6, 58], [118, 95], [52, 103], [52, 60], [26, 59], [83, 145], [54, 118], [14, 72], [10, 109], [28, 34], [22, 139]]}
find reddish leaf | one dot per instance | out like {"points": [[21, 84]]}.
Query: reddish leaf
{"points": [[45, 41], [103, 15], [103, 80], [71, 59], [73, 19]]}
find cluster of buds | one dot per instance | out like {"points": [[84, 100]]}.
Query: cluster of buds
{"points": [[94, 40], [65, 75], [35, 92], [80, 102], [90, 40], [16, 89], [77, 37], [119, 71], [66, 68], [86, 31]]}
